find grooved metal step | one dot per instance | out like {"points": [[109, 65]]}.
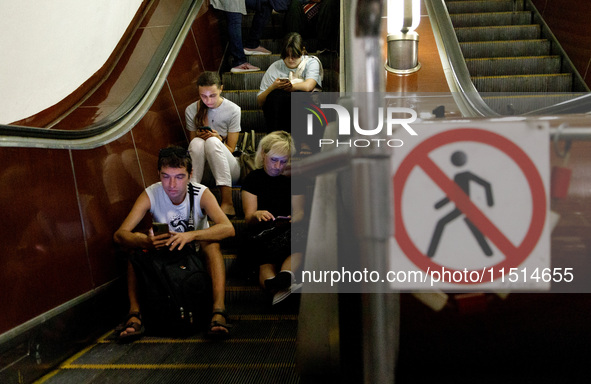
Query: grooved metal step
{"points": [[261, 350], [460, 20], [478, 49], [497, 33], [246, 98], [467, 6], [560, 82], [242, 81], [497, 66], [263, 61], [252, 119], [517, 104], [505, 52]]}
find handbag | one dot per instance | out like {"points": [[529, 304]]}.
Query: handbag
{"points": [[246, 155]]}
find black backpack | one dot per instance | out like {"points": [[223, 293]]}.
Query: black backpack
{"points": [[174, 288]]}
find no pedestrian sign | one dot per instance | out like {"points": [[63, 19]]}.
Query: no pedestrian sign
{"points": [[470, 205]]}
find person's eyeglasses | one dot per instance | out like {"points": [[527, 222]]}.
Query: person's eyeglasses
{"points": [[169, 151]]}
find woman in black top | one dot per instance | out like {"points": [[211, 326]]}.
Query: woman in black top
{"points": [[271, 211]]}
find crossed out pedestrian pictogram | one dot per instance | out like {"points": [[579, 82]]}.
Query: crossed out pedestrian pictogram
{"points": [[457, 190]]}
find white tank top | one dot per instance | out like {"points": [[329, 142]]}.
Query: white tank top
{"points": [[176, 216]]}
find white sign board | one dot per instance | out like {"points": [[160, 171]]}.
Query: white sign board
{"points": [[471, 207]]}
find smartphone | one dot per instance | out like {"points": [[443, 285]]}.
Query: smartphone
{"points": [[281, 221], [159, 228], [206, 128], [283, 79]]}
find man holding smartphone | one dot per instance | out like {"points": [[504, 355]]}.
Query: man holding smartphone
{"points": [[168, 202]]}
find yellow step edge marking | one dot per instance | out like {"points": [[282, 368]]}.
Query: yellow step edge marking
{"points": [[263, 317], [509, 76], [487, 13], [499, 26], [197, 341], [69, 361], [511, 58], [46, 377], [528, 41], [180, 366]]}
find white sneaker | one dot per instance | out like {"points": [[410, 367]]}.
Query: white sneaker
{"points": [[246, 67], [257, 51], [284, 294]]}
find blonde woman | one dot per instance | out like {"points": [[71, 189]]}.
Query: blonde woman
{"points": [[271, 212]]}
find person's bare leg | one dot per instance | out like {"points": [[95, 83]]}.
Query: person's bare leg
{"points": [[227, 204], [217, 271], [292, 263], [266, 271], [134, 305]]}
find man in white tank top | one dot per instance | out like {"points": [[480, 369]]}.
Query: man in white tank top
{"points": [[168, 202]]}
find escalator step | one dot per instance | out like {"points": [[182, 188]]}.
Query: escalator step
{"points": [[519, 104], [242, 81], [561, 82], [468, 6], [460, 20], [260, 350], [498, 33], [499, 66], [263, 61], [510, 48], [246, 98], [253, 119]]}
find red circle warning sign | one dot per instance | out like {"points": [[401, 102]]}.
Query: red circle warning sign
{"points": [[419, 157]]}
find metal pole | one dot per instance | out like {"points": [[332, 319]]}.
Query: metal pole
{"points": [[372, 194]]}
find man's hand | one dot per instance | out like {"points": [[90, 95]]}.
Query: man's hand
{"points": [[178, 240], [159, 241]]}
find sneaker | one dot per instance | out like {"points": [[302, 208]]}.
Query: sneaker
{"points": [[257, 51], [280, 282], [246, 67], [284, 294]]}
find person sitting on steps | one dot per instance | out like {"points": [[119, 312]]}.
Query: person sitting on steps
{"points": [[168, 202], [274, 216], [213, 123], [294, 72]]}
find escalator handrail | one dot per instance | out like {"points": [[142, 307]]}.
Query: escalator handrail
{"points": [[577, 105], [464, 92], [126, 115]]}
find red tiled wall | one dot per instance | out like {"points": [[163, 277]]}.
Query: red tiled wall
{"points": [[60, 208]]}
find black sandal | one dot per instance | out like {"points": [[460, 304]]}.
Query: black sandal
{"points": [[137, 327], [219, 334]]}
